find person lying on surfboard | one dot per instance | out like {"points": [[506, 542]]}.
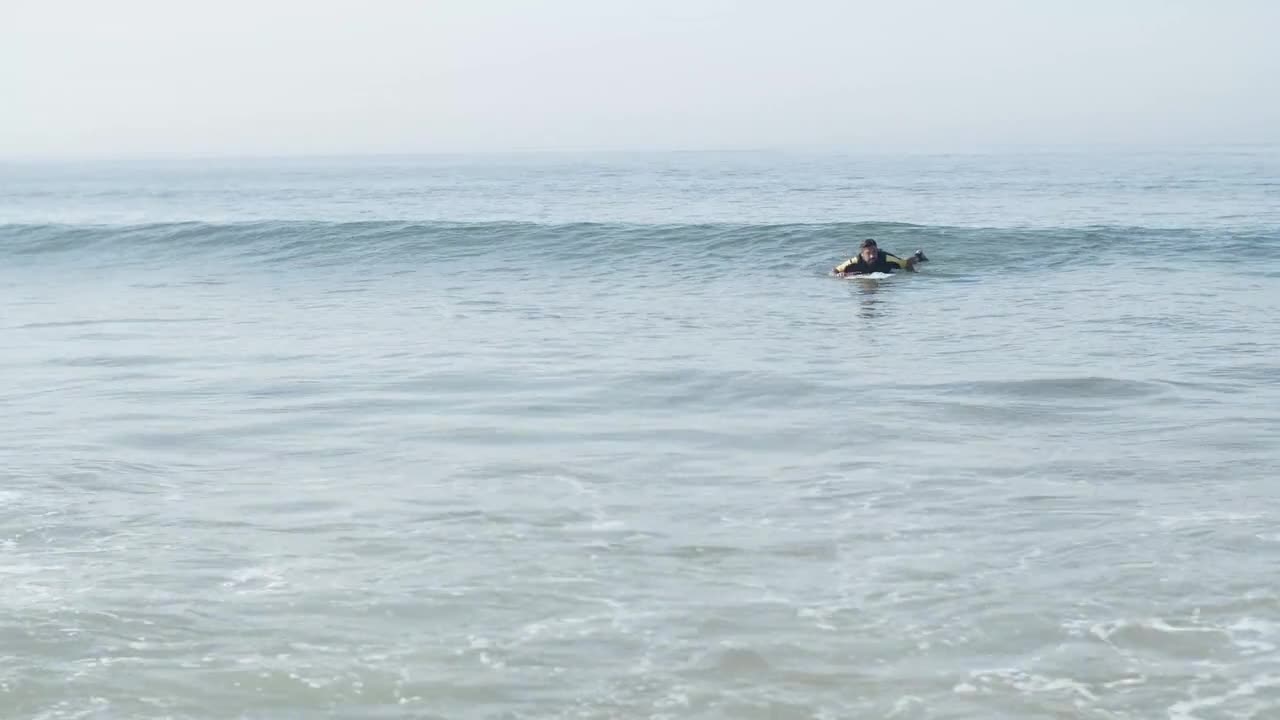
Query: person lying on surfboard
{"points": [[872, 259]]}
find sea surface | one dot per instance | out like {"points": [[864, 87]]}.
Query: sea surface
{"points": [[599, 436]]}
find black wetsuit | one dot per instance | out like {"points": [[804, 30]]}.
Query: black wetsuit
{"points": [[884, 263]]}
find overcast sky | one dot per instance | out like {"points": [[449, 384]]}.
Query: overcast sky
{"points": [[95, 77]]}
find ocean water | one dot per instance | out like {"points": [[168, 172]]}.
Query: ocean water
{"points": [[598, 436]]}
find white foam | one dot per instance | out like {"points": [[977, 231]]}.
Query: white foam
{"points": [[1254, 635], [489, 661], [259, 579], [905, 704], [1032, 683], [821, 616], [1105, 630], [1207, 517], [1186, 709], [1126, 682], [674, 699]]}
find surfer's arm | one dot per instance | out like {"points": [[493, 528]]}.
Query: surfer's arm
{"points": [[845, 266], [908, 264]]}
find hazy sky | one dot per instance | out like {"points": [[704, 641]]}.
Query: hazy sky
{"points": [[101, 77]]}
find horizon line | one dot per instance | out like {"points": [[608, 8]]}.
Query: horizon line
{"points": [[836, 150]]}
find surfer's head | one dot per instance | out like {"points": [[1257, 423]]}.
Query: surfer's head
{"points": [[868, 250]]}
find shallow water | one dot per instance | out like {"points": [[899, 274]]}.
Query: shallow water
{"points": [[599, 437]]}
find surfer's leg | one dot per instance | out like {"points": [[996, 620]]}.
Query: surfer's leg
{"points": [[916, 259]]}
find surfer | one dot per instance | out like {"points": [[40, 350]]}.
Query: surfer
{"points": [[871, 258]]}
